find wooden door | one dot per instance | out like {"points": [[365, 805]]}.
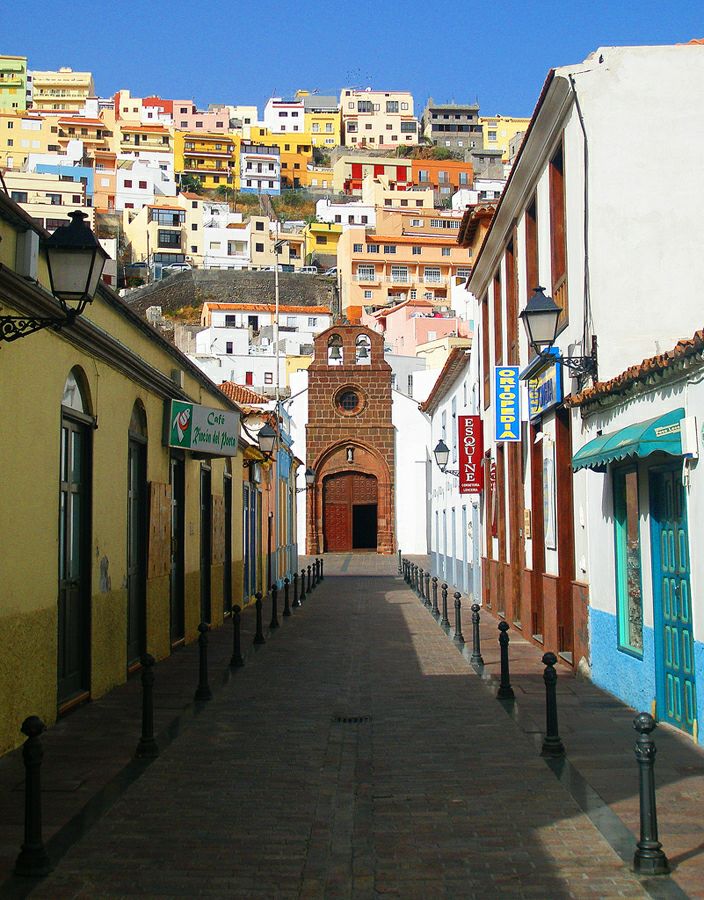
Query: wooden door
{"points": [[177, 593], [341, 493]]}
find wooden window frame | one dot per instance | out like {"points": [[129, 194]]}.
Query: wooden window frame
{"points": [[558, 233]]}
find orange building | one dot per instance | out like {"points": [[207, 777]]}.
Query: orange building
{"points": [[444, 176]]}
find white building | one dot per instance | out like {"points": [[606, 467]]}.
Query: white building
{"points": [[260, 169], [578, 559], [139, 182], [346, 214], [284, 116]]}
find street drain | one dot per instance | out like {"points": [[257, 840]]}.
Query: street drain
{"points": [[351, 720]]}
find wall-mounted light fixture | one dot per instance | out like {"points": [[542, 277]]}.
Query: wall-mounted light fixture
{"points": [[76, 261], [541, 319], [442, 457], [310, 481]]}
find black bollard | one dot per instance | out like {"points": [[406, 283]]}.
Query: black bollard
{"points": [[552, 745], [203, 691], [147, 747], [33, 860], [505, 691], [399, 562], [274, 607], [649, 858], [287, 608], [319, 569], [236, 660], [459, 637], [310, 583], [259, 635], [436, 611], [322, 572], [421, 585], [405, 570], [302, 596], [476, 657], [416, 571], [428, 602], [444, 621], [295, 603]]}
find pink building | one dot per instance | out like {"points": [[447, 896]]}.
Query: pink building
{"points": [[208, 121], [413, 322]]}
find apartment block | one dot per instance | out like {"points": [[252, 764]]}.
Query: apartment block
{"points": [[452, 125], [63, 90], [25, 133], [444, 177], [48, 198], [377, 119], [295, 153], [260, 168], [284, 116], [350, 170], [499, 131], [211, 157], [13, 83], [322, 119]]}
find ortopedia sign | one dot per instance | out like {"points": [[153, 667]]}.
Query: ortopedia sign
{"points": [[508, 403], [203, 429]]}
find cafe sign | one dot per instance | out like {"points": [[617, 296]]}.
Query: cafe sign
{"points": [[203, 429]]}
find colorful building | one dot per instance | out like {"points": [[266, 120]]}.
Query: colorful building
{"points": [[62, 91], [349, 172], [321, 240], [13, 83], [25, 133], [322, 119], [377, 119], [212, 158], [260, 168], [499, 131], [48, 198], [445, 177]]}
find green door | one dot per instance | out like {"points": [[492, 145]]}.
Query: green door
{"points": [[674, 643]]}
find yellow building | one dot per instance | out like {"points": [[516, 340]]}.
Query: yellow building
{"points": [[296, 154], [157, 233], [64, 90], [134, 139], [322, 120], [48, 199], [13, 83], [114, 522], [498, 132], [213, 158], [25, 133], [321, 240]]}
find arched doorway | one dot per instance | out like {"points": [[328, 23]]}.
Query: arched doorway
{"points": [[350, 512]]}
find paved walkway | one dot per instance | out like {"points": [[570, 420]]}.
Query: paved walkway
{"points": [[357, 754]]}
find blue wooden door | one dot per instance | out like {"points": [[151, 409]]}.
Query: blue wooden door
{"points": [[674, 643]]}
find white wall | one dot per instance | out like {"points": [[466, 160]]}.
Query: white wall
{"points": [[412, 430]]}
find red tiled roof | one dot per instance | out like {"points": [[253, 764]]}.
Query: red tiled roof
{"points": [[191, 196], [653, 365], [240, 394], [162, 128]]}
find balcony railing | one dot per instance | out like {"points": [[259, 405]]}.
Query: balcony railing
{"points": [[370, 279]]}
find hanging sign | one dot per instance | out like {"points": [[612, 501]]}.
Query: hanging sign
{"points": [[471, 452], [493, 505], [203, 429], [544, 390], [508, 403]]}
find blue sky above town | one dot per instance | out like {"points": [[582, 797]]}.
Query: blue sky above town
{"points": [[495, 53]]}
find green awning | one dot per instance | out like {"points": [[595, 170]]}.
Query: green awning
{"points": [[658, 435]]}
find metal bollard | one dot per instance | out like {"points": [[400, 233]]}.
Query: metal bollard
{"points": [[427, 591], [459, 637], [259, 635], [649, 858], [436, 611], [318, 570], [33, 860], [310, 583], [322, 571], [405, 570], [420, 585], [444, 621], [302, 596], [552, 745], [287, 608], [416, 573], [399, 562], [236, 660], [476, 657], [505, 691], [274, 608], [147, 747], [203, 691], [295, 603]]}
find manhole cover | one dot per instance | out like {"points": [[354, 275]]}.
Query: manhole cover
{"points": [[351, 720]]}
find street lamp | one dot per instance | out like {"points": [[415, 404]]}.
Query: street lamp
{"points": [[541, 320], [75, 260], [310, 480], [442, 457], [266, 437]]}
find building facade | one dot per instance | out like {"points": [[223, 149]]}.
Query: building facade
{"points": [[377, 119], [13, 83], [452, 125]]}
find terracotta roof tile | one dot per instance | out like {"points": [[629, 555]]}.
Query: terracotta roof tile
{"points": [[651, 366], [241, 394]]}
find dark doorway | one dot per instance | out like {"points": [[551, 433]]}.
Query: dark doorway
{"points": [[364, 526], [136, 547], [178, 492]]}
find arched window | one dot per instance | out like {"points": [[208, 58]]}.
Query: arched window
{"points": [[335, 351], [363, 350], [138, 422], [75, 394]]}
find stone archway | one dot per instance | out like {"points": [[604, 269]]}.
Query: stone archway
{"points": [[351, 504], [350, 512]]}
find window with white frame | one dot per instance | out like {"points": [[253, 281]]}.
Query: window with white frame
{"points": [[431, 274], [399, 274]]}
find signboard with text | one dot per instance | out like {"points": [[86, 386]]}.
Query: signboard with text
{"points": [[508, 403], [471, 451], [202, 429], [544, 390]]}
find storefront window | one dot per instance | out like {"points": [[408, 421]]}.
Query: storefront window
{"points": [[629, 594]]}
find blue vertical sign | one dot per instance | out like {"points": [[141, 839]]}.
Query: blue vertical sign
{"points": [[508, 403]]}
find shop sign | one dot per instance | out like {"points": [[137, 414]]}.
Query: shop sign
{"points": [[203, 429], [471, 453], [508, 403], [544, 390]]}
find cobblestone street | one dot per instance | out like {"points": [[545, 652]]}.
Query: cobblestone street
{"points": [[358, 754]]}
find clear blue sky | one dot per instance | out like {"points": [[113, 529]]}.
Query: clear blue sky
{"points": [[236, 52]]}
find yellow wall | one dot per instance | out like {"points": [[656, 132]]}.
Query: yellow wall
{"points": [[503, 129], [35, 369], [315, 231], [208, 171]]}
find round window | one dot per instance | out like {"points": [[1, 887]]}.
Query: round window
{"points": [[348, 400]]}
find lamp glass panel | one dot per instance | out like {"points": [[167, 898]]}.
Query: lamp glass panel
{"points": [[70, 272], [542, 326], [442, 454]]}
